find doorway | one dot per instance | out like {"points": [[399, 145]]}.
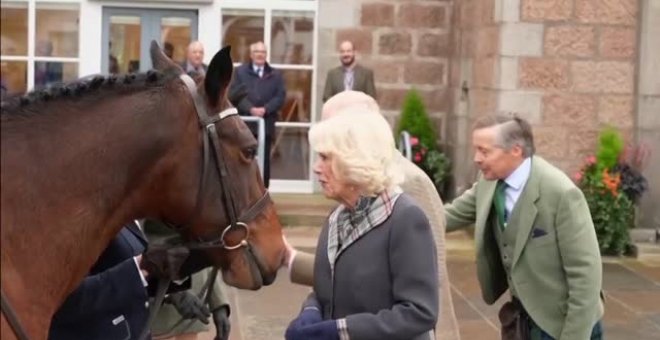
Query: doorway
{"points": [[128, 32]]}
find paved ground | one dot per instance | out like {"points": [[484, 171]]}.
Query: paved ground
{"points": [[632, 290]]}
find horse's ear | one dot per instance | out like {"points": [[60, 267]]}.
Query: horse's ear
{"points": [[218, 75], [161, 62]]}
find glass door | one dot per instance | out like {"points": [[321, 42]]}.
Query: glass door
{"points": [[128, 32], [289, 34]]}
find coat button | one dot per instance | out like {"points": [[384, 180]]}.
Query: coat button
{"points": [[146, 304]]}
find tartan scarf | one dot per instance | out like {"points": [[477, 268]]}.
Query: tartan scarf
{"points": [[345, 226]]}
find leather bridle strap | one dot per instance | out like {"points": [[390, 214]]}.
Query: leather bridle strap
{"points": [[12, 318]]}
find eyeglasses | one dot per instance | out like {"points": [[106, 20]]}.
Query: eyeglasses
{"points": [[259, 51]]}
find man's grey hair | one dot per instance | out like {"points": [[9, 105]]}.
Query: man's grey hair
{"points": [[511, 130]]}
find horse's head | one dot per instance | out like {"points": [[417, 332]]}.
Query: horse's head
{"points": [[225, 213]]}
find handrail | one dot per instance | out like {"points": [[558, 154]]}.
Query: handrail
{"points": [[261, 139], [404, 145]]}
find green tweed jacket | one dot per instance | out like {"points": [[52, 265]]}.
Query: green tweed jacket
{"points": [[556, 268]]}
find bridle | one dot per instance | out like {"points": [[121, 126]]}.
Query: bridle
{"points": [[208, 125]]}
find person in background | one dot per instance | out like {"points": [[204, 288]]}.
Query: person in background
{"points": [[195, 59], [534, 236], [46, 72], [349, 76], [416, 184], [265, 95], [375, 271]]}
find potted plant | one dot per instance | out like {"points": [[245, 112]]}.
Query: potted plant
{"points": [[612, 184]]}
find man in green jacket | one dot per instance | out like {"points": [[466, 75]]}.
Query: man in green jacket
{"points": [[534, 235]]}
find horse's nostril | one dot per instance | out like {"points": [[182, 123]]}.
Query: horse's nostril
{"points": [[269, 279]]}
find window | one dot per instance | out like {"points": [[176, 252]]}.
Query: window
{"points": [[39, 52], [288, 28]]}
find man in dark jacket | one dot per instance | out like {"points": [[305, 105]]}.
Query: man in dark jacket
{"points": [[112, 301], [265, 94]]}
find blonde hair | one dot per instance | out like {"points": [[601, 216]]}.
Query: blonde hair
{"points": [[362, 149]]}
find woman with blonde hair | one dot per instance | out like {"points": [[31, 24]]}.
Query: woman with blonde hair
{"points": [[375, 274]]}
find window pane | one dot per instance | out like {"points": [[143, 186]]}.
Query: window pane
{"points": [[292, 37], [13, 23], [57, 30], [13, 75], [290, 154], [175, 34], [124, 46], [240, 28], [297, 106], [47, 73]]}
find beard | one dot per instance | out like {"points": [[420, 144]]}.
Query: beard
{"points": [[347, 61]]}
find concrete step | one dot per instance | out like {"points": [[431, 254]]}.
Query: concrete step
{"points": [[647, 251], [297, 210]]}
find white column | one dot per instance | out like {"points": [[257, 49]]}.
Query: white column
{"points": [[91, 23]]}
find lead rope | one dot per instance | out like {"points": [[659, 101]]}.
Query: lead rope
{"points": [[12, 318], [204, 295]]}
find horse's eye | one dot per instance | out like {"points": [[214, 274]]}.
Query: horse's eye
{"points": [[250, 153]]}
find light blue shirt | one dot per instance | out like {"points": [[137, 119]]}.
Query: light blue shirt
{"points": [[259, 70], [515, 185]]}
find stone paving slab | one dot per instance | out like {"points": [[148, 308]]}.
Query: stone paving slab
{"points": [[632, 289]]}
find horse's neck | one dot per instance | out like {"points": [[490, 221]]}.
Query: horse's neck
{"points": [[67, 191]]}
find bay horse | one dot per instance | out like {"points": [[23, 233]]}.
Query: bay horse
{"points": [[79, 161]]}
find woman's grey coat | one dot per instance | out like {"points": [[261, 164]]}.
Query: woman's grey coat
{"points": [[385, 284]]}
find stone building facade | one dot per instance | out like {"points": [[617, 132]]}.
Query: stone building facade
{"points": [[568, 66]]}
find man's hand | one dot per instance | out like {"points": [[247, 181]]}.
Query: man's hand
{"points": [[190, 306], [258, 111], [144, 272], [221, 321]]}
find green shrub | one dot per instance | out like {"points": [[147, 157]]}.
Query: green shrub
{"points": [[609, 147], [415, 120], [423, 140]]}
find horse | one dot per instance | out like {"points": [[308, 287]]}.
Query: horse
{"points": [[81, 160]]}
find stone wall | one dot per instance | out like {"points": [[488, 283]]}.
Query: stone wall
{"points": [[473, 81], [648, 112], [568, 66], [405, 43]]}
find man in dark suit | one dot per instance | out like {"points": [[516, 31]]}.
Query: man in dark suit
{"points": [[349, 76], [265, 94], [112, 301], [195, 59]]}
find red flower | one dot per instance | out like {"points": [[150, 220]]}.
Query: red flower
{"points": [[578, 176], [591, 160], [414, 141], [418, 157]]}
